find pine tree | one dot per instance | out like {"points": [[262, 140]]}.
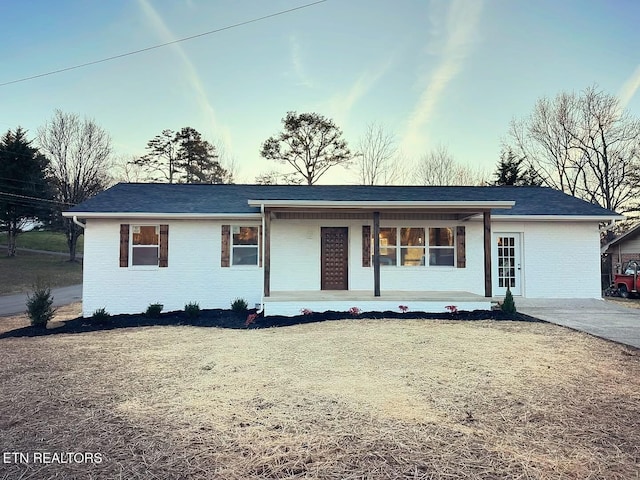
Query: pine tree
{"points": [[25, 192], [508, 305]]}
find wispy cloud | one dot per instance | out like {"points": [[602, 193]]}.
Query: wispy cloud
{"points": [[341, 104], [297, 63], [629, 88], [190, 71], [456, 42]]}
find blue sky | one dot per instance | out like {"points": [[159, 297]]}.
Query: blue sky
{"points": [[450, 73]]}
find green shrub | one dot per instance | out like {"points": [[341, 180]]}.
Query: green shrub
{"points": [[192, 309], [154, 309], [508, 306], [239, 305], [40, 305], [101, 316]]}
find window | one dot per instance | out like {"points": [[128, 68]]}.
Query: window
{"points": [[411, 251], [412, 246], [145, 244], [388, 244], [244, 246], [441, 246]]}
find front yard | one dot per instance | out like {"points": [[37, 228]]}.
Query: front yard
{"points": [[330, 400]]}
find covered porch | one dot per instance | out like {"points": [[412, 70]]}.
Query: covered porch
{"points": [[290, 303], [328, 255]]}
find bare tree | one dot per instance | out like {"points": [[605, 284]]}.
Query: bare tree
{"points": [[376, 161], [583, 144], [438, 167], [79, 154], [125, 170], [310, 143], [273, 177]]}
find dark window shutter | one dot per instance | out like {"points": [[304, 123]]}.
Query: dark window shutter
{"points": [[226, 245], [461, 248], [164, 246], [124, 245], [366, 245]]}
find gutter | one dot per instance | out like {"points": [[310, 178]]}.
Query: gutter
{"points": [[78, 222]]}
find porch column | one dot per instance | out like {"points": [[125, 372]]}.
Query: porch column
{"points": [[266, 261], [376, 254], [487, 254]]}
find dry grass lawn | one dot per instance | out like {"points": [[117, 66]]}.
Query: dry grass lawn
{"points": [[349, 399]]}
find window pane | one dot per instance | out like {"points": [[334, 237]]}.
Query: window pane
{"points": [[412, 237], [245, 256], [388, 257], [441, 256], [145, 235], [388, 237], [245, 235], [441, 237], [412, 256], [144, 256]]}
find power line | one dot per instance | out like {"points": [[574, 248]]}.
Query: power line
{"points": [[229, 27], [7, 194]]}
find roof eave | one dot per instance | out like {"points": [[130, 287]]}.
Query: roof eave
{"points": [[161, 215], [383, 205], [557, 218]]}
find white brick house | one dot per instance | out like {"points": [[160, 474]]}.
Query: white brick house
{"points": [[285, 248]]}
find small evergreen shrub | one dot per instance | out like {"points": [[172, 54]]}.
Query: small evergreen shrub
{"points": [[154, 309], [239, 305], [101, 316], [192, 310], [40, 305], [508, 306]]}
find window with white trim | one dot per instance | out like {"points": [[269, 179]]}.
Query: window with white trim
{"points": [[442, 246], [244, 245], [145, 244], [406, 246]]}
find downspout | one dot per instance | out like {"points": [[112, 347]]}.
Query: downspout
{"points": [[78, 222], [262, 253]]}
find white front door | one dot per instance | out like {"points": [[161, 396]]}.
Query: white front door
{"points": [[507, 264]]}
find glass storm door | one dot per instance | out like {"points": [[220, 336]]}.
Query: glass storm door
{"points": [[507, 264]]}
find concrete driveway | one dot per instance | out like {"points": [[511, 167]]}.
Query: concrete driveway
{"points": [[15, 304], [597, 317]]}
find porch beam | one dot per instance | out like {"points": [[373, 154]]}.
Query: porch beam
{"points": [[266, 261], [376, 254], [487, 253]]}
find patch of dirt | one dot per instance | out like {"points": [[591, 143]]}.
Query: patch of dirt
{"points": [[352, 399]]}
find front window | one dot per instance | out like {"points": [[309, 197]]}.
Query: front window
{"points": [[388, 245], [245, 246], [441, 246], [407, 246], [412, 243], [145, 245]]}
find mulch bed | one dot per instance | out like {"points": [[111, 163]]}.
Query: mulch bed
{"points": [[229, 319]]}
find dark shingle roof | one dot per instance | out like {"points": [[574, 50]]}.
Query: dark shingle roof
{"points": [[228, 199]]}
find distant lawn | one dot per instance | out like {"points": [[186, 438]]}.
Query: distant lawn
{"points": [[20, 272], [50, 241]]}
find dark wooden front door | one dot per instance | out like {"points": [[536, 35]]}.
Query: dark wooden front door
{"points": [[334, 258]]}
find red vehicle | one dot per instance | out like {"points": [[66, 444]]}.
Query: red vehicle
{"points": [[626, 283]]}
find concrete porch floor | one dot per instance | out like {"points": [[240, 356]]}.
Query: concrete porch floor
{"points": [[290, 303], [367, 295]]}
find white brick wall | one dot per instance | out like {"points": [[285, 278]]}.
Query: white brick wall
{"points": [[559, 259], [193, 275], [295, 260]]}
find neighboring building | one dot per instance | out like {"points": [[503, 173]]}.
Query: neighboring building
{"points": [[335, 247], [619, 251]]}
